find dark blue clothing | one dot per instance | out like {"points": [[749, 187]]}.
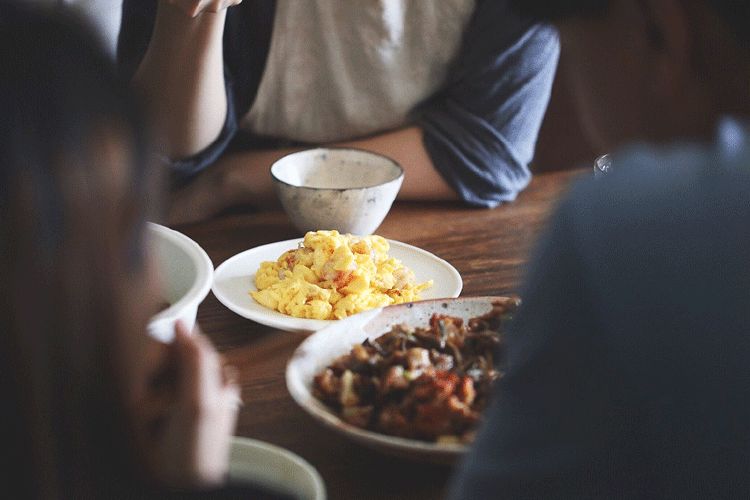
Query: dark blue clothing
{"points": [[480, 129], [629, 362]]}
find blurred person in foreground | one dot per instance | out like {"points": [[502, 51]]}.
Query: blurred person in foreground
{"points": [[95, 409], [628, 369]]}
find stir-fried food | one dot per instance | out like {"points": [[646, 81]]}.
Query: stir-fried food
{"points": [[428, 383]]}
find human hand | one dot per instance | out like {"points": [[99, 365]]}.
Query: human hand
{"points": [[235, 180], [200, 200], [188, 416], [194, 8]]}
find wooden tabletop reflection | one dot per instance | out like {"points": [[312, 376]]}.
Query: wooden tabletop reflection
{"points": [[489, 249]]}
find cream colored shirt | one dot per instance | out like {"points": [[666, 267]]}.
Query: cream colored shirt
{"points": [[339, 69]]}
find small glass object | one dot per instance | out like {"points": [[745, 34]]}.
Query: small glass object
{"points": [[602, 165]]}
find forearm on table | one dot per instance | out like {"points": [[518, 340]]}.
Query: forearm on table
{"points": [[421, 180], [246, 176], [182, 78]]}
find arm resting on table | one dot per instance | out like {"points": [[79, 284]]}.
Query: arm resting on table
{"points": [[243, 178]]}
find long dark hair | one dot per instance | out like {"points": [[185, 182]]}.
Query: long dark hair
{"points": [[71, 229]]}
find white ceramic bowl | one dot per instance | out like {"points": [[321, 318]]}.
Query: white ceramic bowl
{"points": [[186, 274], [349, 190], [274, 468], [322, 347]]}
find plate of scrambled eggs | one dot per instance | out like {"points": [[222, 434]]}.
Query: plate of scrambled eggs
{"points": [[307, 284]]}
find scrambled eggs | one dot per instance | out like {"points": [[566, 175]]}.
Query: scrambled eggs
{"points": [[332, 276]]}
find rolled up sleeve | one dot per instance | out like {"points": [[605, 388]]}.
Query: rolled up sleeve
{"points": [[481, 130]]}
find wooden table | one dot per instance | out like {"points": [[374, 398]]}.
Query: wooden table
{"points": [[488, 247]]}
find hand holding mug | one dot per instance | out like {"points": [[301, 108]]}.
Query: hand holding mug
{"points": [[188, 415]]}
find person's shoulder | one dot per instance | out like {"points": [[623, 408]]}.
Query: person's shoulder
{"points": [[667, 185]]}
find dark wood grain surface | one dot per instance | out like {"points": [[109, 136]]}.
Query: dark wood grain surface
{"points": [[489, 249]]}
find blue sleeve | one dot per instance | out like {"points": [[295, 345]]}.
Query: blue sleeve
{"points": [[135, 34], [552, 425], [480, 131]]}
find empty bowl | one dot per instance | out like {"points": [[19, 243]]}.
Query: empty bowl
{"points": [[185, 273], [349, 190], [274, 468]]}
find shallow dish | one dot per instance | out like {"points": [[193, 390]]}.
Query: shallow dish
{"points": [[321, 348], [185, 273], [274, 468], [235, 278]]}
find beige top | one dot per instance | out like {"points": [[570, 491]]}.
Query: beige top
{"points": [[340, 69]]}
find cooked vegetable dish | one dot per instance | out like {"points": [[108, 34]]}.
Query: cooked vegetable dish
{"points": [[428, 383]]}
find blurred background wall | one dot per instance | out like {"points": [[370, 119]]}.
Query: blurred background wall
{"points": [[562, 144]]}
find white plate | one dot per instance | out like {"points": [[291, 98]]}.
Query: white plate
{"points": [[186, 274], [235, 278], [274, 468], [321, 348]]}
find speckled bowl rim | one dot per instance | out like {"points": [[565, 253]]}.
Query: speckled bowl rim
{"points": [[301, 391], [357, 150]]}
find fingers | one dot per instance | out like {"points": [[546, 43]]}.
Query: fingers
{"points": [[194, 8], [210, 401], [186, 429], [231, 384], [199, 367], [230, 374], [195, 202], [205, 385], [232, 389]]}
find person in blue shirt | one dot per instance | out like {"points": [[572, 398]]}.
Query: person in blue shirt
{"points": [[454, 90], [627, 369]]}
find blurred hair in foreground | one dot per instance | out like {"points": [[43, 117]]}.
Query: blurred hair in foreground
{"points": [[72, 200]]}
